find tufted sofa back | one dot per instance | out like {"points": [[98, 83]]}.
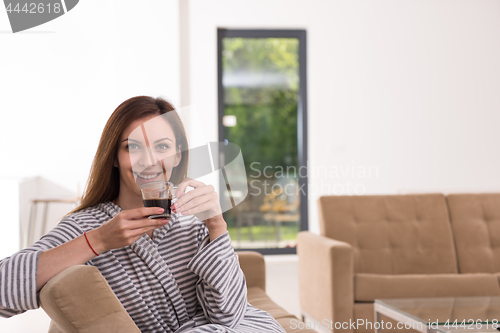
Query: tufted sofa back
{"points": [[392, 234], [475, 219]]}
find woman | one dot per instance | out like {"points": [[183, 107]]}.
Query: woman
{"points": [[170, 278]]}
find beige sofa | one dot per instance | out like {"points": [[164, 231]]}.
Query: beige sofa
{"points": [[80, 300], [397, 246]]}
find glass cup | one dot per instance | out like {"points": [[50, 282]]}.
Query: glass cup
{"points": [[158, 194]]}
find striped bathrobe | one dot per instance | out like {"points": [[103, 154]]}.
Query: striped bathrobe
{"points": [[178, 281]]}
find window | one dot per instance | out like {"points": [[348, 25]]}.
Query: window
{"points": [[262, 109]]}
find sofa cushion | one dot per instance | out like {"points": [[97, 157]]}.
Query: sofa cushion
{"points": [[475, 220], [368, 287], [290, 323], [392, 234], [259, 299]]}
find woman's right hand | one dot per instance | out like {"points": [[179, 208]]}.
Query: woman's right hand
{"points": [[125, 228]]}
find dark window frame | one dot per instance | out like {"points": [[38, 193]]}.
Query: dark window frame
{"points": [[301, 116]]}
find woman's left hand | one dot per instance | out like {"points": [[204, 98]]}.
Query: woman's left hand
{"points": [[203, 202]]}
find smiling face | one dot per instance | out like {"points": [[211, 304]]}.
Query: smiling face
{"points": [[147, 152]]}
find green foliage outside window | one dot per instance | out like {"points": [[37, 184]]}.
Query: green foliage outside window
{"points": [[261, 85], [266, 112]]}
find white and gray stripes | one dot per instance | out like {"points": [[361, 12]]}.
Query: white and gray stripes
{"points": [[178, 281]]}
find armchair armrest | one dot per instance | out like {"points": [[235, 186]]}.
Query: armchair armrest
{"points": [[79, 299], [326, 277], [254, 267]]}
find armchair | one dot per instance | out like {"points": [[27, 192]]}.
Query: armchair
{"points": [[79, 300]]}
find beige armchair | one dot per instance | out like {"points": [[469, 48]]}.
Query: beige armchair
{"points": [[79, 300]]}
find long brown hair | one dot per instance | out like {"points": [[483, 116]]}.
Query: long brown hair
{"points": [[104, 179]]}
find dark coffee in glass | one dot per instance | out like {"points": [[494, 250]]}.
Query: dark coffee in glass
{"points": [[163, 203], [158, 194]]}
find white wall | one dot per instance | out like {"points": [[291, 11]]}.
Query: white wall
{"points": [[60, 82], [408, 88]]}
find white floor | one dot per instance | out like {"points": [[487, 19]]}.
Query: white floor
{"points": [[281, 284], [33, 321]]}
